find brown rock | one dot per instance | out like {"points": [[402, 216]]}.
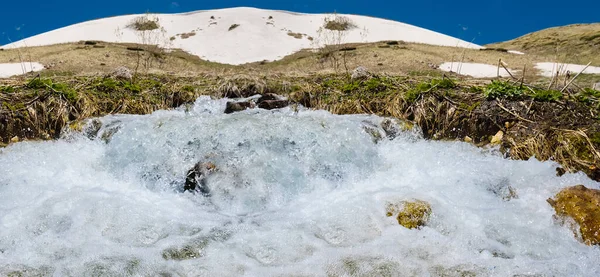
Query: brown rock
{"points": [[270, 101], [582, 205], [232, 107]]}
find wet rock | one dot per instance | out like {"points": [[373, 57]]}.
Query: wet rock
{"points": [[232, 107], [271, 101], [360, 73], [195, 179], [560, 171], [373, 130], [410, 214], [122, 73], [393, 127], [109, 131], [581, 205]]}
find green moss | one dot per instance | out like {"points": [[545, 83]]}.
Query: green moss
{"points": [[188, 88], [595, 138], [350, 87], [444, 83], [132, 87], [499, 89], [7, 89], [547, 95], [39, 83]]}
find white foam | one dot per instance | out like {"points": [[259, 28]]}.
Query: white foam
{"points": [[257, 38], [296, 194], [477, 70], [13, 69], [548, 69]]}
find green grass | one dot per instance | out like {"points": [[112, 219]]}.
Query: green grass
{"points": [[507, 90]]}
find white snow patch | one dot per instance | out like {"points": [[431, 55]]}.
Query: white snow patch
{"points": [[13, 69], [477, 70], [548, 69], [516, 52], [261, 35]]}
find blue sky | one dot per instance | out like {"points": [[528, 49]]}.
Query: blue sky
{"points": [[482, 21]]}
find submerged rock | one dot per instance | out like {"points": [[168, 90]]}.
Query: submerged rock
{"points": [[410, 214], [196, 248], [393, 127], [373, 131], [195, 179], [232, 107], [186, 252], [503, 189], [582, 205]]}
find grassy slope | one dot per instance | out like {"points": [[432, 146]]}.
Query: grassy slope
{"points": [[578, 43]]}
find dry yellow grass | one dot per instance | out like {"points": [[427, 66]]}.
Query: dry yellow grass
{"points": [[402, 59], [579, 43]]}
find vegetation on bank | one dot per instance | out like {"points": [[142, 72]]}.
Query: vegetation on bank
{"points": [[536, 122]]}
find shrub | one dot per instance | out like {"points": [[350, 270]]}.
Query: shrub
{"points": [[339, 23], [144, 23], [233, 26]]}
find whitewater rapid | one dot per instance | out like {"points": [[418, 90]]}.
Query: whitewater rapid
{"points": [[296, 193]]}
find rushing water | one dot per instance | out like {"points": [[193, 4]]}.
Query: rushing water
{"points": [[295, 193]]}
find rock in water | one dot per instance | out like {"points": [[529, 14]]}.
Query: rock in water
{"points": [[583, 206], [410, 214], [393, 127], [195, 179], [232, 107], [271, 101]]}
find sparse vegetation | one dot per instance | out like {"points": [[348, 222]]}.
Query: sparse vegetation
{"points": [[187, 35], [144, 23], [295, 35], [339, 23]]}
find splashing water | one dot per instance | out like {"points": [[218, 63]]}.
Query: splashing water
{"points": [[294, 194]]}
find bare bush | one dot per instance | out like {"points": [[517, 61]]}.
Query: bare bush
{"points": [[144, 23], [331, 38]]}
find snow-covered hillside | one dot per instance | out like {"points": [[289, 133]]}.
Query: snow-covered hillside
{"points": [[261, 34]]}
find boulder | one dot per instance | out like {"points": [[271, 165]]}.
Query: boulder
{"points": [[233, 106], [410, 214], [360, 73], [581, 205], [122, 73], [271, 101], [195, 180]]}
